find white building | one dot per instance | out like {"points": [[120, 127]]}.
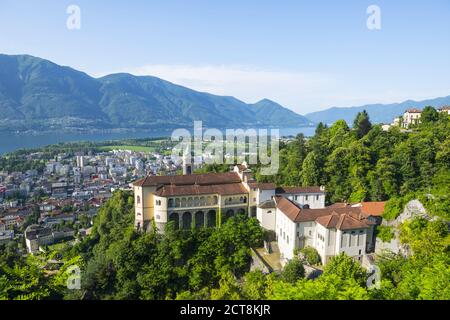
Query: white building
{"points": [[36, 236], [331, 230], [445, 109], [6, 236], [207, 200], [81, 161], [411, 117]]}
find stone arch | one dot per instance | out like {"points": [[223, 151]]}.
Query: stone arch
{"points": [[170, 203], [228, 214], [211, 218], [186, 220], [175, 217], [199, 219]]}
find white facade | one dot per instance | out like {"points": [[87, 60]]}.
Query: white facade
{"points": [[313, 200], [411, 117], [329, 233], [286, 236], [267, 218]]}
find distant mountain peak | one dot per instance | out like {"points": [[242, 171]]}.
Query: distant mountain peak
{"points": [[35, 92], [378, 113]]}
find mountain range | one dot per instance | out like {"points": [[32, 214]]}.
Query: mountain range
{"points": [[39, 94], [378, 113]]}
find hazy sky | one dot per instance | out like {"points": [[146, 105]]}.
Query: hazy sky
{"points": [[306, 55]]}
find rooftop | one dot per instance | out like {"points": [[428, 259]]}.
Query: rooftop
{"points": [[342, 218], [313, 189], [413, 110], [192, 179], [222, 189]]}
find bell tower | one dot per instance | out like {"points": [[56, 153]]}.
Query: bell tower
{"points": [[187, 163]]}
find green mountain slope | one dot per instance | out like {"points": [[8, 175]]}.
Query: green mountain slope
{"points": [[34, 91]]}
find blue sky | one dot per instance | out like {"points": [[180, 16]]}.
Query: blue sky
{"points": [[306, 55]]}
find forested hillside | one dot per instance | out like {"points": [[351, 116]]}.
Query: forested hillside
{"points": [[41, 95], [366, 163], [359, 163]]}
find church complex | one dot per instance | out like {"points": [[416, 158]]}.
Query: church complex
{"points": [[297, 215]]}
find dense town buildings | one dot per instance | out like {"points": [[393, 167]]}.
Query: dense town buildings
{"points": [[69, 186]]}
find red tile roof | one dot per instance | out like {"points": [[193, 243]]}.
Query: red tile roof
{"points": [[198, 179], [413, 110], [342, 218], [222, 189], [373, 208], [291, 210], [292, 190]]}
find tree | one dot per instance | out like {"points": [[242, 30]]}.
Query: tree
{"points": [[429, 115], [228, 288], [293, 271], [311, 255], [311, 170], [254, 285], [362, 124], [345, 267]]}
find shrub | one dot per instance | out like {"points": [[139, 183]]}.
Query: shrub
{"points": [[310, 255], [293, 271], [385, 233]]}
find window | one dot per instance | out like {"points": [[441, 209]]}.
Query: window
{"points": [[317, 197], [310, 232], [306, 197], [158, 217], [296, 197], [270, 211], [359, 251], [138, 200]]}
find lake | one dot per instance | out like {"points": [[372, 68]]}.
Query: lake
{"points": [[13, 141]]}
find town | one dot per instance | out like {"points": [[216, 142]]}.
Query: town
{"points": [[59, 203]]}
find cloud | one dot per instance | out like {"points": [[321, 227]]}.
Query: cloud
{"points": [[301, 92], [294, 90]]}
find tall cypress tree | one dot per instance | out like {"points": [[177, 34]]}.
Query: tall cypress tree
{"points": [[362, 124]]}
